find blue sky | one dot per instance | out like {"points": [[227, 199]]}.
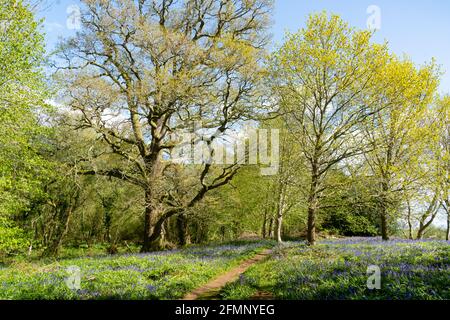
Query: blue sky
{"points": [[419, 28]]}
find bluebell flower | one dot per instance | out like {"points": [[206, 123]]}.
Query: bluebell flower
{"points": [[151, 288]]}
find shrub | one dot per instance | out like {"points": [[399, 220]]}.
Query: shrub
{"points": [[12, 238]]}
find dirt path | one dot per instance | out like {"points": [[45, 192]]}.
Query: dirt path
{"points": [[211, 289]]}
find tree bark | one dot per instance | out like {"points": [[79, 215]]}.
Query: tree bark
{"points": [[263, 231], [410, 231], [152, 233], [280, 211], [270, 227], [311, 235], [182, 229], [279, 224], [384, 210], [431, 213], [384, 224], [448, 227], [447, 209], [107, 205], [420, 233], [152, 241], [313, 205]]}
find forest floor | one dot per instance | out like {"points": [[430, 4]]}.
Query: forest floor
{"points": [[342, 269], [158, 275], [333, 269]]}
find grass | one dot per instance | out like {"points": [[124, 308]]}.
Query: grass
{"points": [[333, 269], [69, 252], [337, 270], [161, 275]]}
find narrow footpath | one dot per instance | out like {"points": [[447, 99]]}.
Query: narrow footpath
{"points": [[212, 289]]}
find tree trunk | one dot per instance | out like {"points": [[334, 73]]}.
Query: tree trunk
{"points": [[182, 229], [410, 234], [152, 242], [313, 206], [420, 232], [107, 202], [447, 235], [430, 213], [448, 227], [152, 235], [311, 235], [384, 224], [280, 210], [264, 231], [279, 224], [223, 233], [270, 226], [155, 213], [384, 211]]}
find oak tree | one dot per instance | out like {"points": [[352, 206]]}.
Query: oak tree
{"points": [[139, 71]]}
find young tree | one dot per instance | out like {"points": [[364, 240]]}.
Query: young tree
{"points": [[22, 95], [285, 186], [321, 76], [398, 133], [141, 70]]}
